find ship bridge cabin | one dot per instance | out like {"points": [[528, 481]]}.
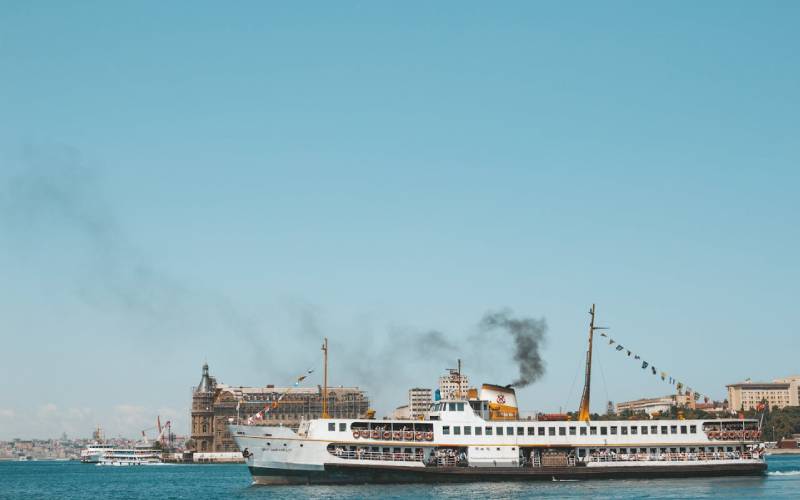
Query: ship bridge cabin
{"points": [[449, 409], [494, 402]]}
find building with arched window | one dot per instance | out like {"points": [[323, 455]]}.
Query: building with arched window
{"points": [[215, 405], [203, 412]]}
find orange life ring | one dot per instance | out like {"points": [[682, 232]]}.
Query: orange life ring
{"points": [[429, 436], [397, 435], [356, 434], [408, 435], [387, 435], [418, 436], [376, 434]]}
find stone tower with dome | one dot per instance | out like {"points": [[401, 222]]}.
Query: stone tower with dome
{"points": [[203, 412]]}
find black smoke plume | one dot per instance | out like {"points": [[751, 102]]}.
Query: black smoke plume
{"points": [[528, 335]]}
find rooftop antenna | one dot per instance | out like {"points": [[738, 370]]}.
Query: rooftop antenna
{"points": [[458, 390], [583, 413]]}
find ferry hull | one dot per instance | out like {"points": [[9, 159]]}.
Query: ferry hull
{"points": [[361, 474]]}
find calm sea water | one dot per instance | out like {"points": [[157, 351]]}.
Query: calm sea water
{"points": [[70, 480]]}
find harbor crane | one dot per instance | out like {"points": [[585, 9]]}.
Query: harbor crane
{"points": [[164, 435]]}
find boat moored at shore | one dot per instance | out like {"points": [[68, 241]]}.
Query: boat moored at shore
{"points": [[95, 451], [138, 455]]}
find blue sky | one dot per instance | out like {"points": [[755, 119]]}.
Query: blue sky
{"points": [[192, 181]]}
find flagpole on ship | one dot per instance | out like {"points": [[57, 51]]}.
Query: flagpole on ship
{"points": [[325, 379]]}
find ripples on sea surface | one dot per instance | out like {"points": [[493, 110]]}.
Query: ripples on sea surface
{"points": [[71, 480]]}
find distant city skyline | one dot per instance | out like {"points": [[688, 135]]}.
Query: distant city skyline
{"points": [[232, 184]]}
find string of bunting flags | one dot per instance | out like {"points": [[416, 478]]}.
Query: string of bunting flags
{"points": [[666, 377], [274, 404]]}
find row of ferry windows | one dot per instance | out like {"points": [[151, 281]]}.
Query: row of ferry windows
{"points": [[571, 430], [562, 430], [447, 407]]}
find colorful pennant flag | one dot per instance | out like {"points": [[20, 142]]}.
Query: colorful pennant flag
{"points": [[664, 375]]}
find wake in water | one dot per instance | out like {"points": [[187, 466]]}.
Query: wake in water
{"points": [[784, 473]]}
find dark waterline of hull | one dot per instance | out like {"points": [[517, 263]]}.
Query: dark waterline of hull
{"points": [[359, 474]]}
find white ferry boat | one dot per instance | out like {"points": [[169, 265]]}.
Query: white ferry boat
{"points": [[480, 437], [94, 452], [120, 457], [97, 450]]}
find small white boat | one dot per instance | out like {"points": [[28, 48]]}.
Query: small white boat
{"points": [[97, 450], [122, 457], [93, 453]]}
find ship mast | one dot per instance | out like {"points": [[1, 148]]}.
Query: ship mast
{"points": [[325, 379], [583, 413]]}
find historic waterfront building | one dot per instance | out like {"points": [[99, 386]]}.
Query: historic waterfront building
{"points": [[203, 412], [214, 405], [779, 393]]}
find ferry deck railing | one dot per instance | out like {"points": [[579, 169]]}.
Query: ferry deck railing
{"points": [[377, 455]]}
